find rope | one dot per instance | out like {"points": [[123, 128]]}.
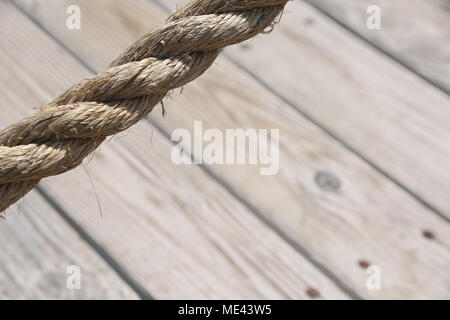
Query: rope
{"points": [[62, 133]]}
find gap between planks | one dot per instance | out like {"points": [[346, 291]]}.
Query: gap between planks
{"points": [[101, 251], [325, 9], [37, 248]]}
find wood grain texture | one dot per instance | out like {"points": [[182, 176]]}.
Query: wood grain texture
{"points": [[366, 218], [393, 118], [415, 32], [174, 229], [390, 116], [37, 247]]}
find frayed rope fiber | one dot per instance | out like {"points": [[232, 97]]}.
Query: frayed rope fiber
{"points": [[62, 133]]}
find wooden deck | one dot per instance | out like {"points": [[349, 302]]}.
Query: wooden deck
{"points": [[364, 179]]}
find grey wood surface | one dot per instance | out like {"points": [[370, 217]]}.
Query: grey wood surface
{"points": [[173, 229], [38, 250], [368, 217], [415, 32], [389, 116]]}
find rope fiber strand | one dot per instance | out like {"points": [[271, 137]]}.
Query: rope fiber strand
{"points": [[62, 133]]}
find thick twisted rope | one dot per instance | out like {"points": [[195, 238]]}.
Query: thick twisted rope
{"points": [[58, 137]]}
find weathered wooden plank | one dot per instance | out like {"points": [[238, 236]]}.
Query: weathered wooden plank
{"points": [[415, 32], [174, 229], [37, 251], [356, 215]]}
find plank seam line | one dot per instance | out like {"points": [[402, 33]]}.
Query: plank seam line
{"points": [[407, 66], [293, 243], [121, 271], [102, 252]]}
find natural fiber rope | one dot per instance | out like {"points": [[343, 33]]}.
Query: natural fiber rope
{"points": [[58, 137]]}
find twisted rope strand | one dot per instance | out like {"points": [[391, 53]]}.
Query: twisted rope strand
{"points": [[57, 138]]}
